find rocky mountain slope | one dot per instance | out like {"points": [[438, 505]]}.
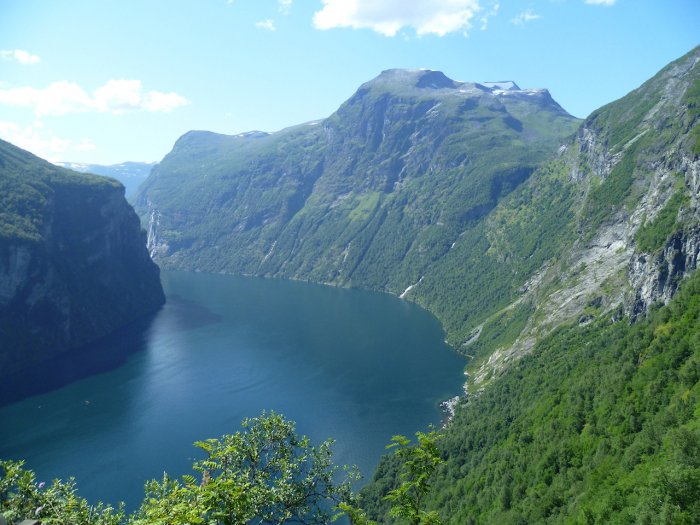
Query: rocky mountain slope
{"points": [[389, 193], [617, 209], [73, 260], [600, 422]]}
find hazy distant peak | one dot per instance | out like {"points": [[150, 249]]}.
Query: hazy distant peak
{"points": [[75, 166], [253, 134]]}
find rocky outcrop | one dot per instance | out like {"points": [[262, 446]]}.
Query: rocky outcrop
{"points": [[595, 153], [655, 278], [73, 261]]}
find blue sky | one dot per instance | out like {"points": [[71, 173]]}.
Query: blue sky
{"points": [[109, 81]]}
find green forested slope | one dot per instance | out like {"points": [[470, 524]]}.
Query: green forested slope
{"points": [[27, 184], [477, 203], [600, 424], [73, 261], [393, 187]]}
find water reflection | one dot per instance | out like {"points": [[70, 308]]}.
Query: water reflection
{"points": [[355, 366], [106, 354]]}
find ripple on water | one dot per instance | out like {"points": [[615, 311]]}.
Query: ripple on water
{"points": [[355, 366]]}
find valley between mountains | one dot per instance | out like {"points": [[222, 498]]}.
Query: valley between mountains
{"points": [[559, 254], [487, 204]]}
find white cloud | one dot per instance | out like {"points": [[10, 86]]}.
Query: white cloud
{"points": [[525, 17], [388, 17], [284, 6], [20, 55], [268, 25], [485, 15], [116, 96], [35, 138], [165, 102], [85, 145], [601, 2], [58, 98]]}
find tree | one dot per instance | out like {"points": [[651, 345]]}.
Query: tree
{"points": [[264, 474], [419, 463], [21, 497]]}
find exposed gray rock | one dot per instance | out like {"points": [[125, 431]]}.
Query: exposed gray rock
{"points": [[655, 278]]}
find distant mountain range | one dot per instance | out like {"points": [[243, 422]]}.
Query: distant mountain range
{"points": [[130, 174]]}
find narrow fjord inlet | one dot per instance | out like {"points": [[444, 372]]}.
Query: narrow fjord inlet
{"points": [[248, 246], [357, 366]]}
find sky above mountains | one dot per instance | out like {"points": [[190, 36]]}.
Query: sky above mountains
{"points": [[109, 81]]}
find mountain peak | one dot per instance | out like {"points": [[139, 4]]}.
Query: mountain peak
{"points": [[434, 80], [418, 78], [429, 79]]}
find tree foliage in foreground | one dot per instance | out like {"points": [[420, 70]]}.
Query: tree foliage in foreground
{"points": [[419, 464], [263, 474]]}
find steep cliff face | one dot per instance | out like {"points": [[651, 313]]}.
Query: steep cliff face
{"points": [[655, 278], [73, 260], [625, 193], [668, 243]]}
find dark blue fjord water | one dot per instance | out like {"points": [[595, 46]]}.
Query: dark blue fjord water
{"points": [[355, 366]]}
